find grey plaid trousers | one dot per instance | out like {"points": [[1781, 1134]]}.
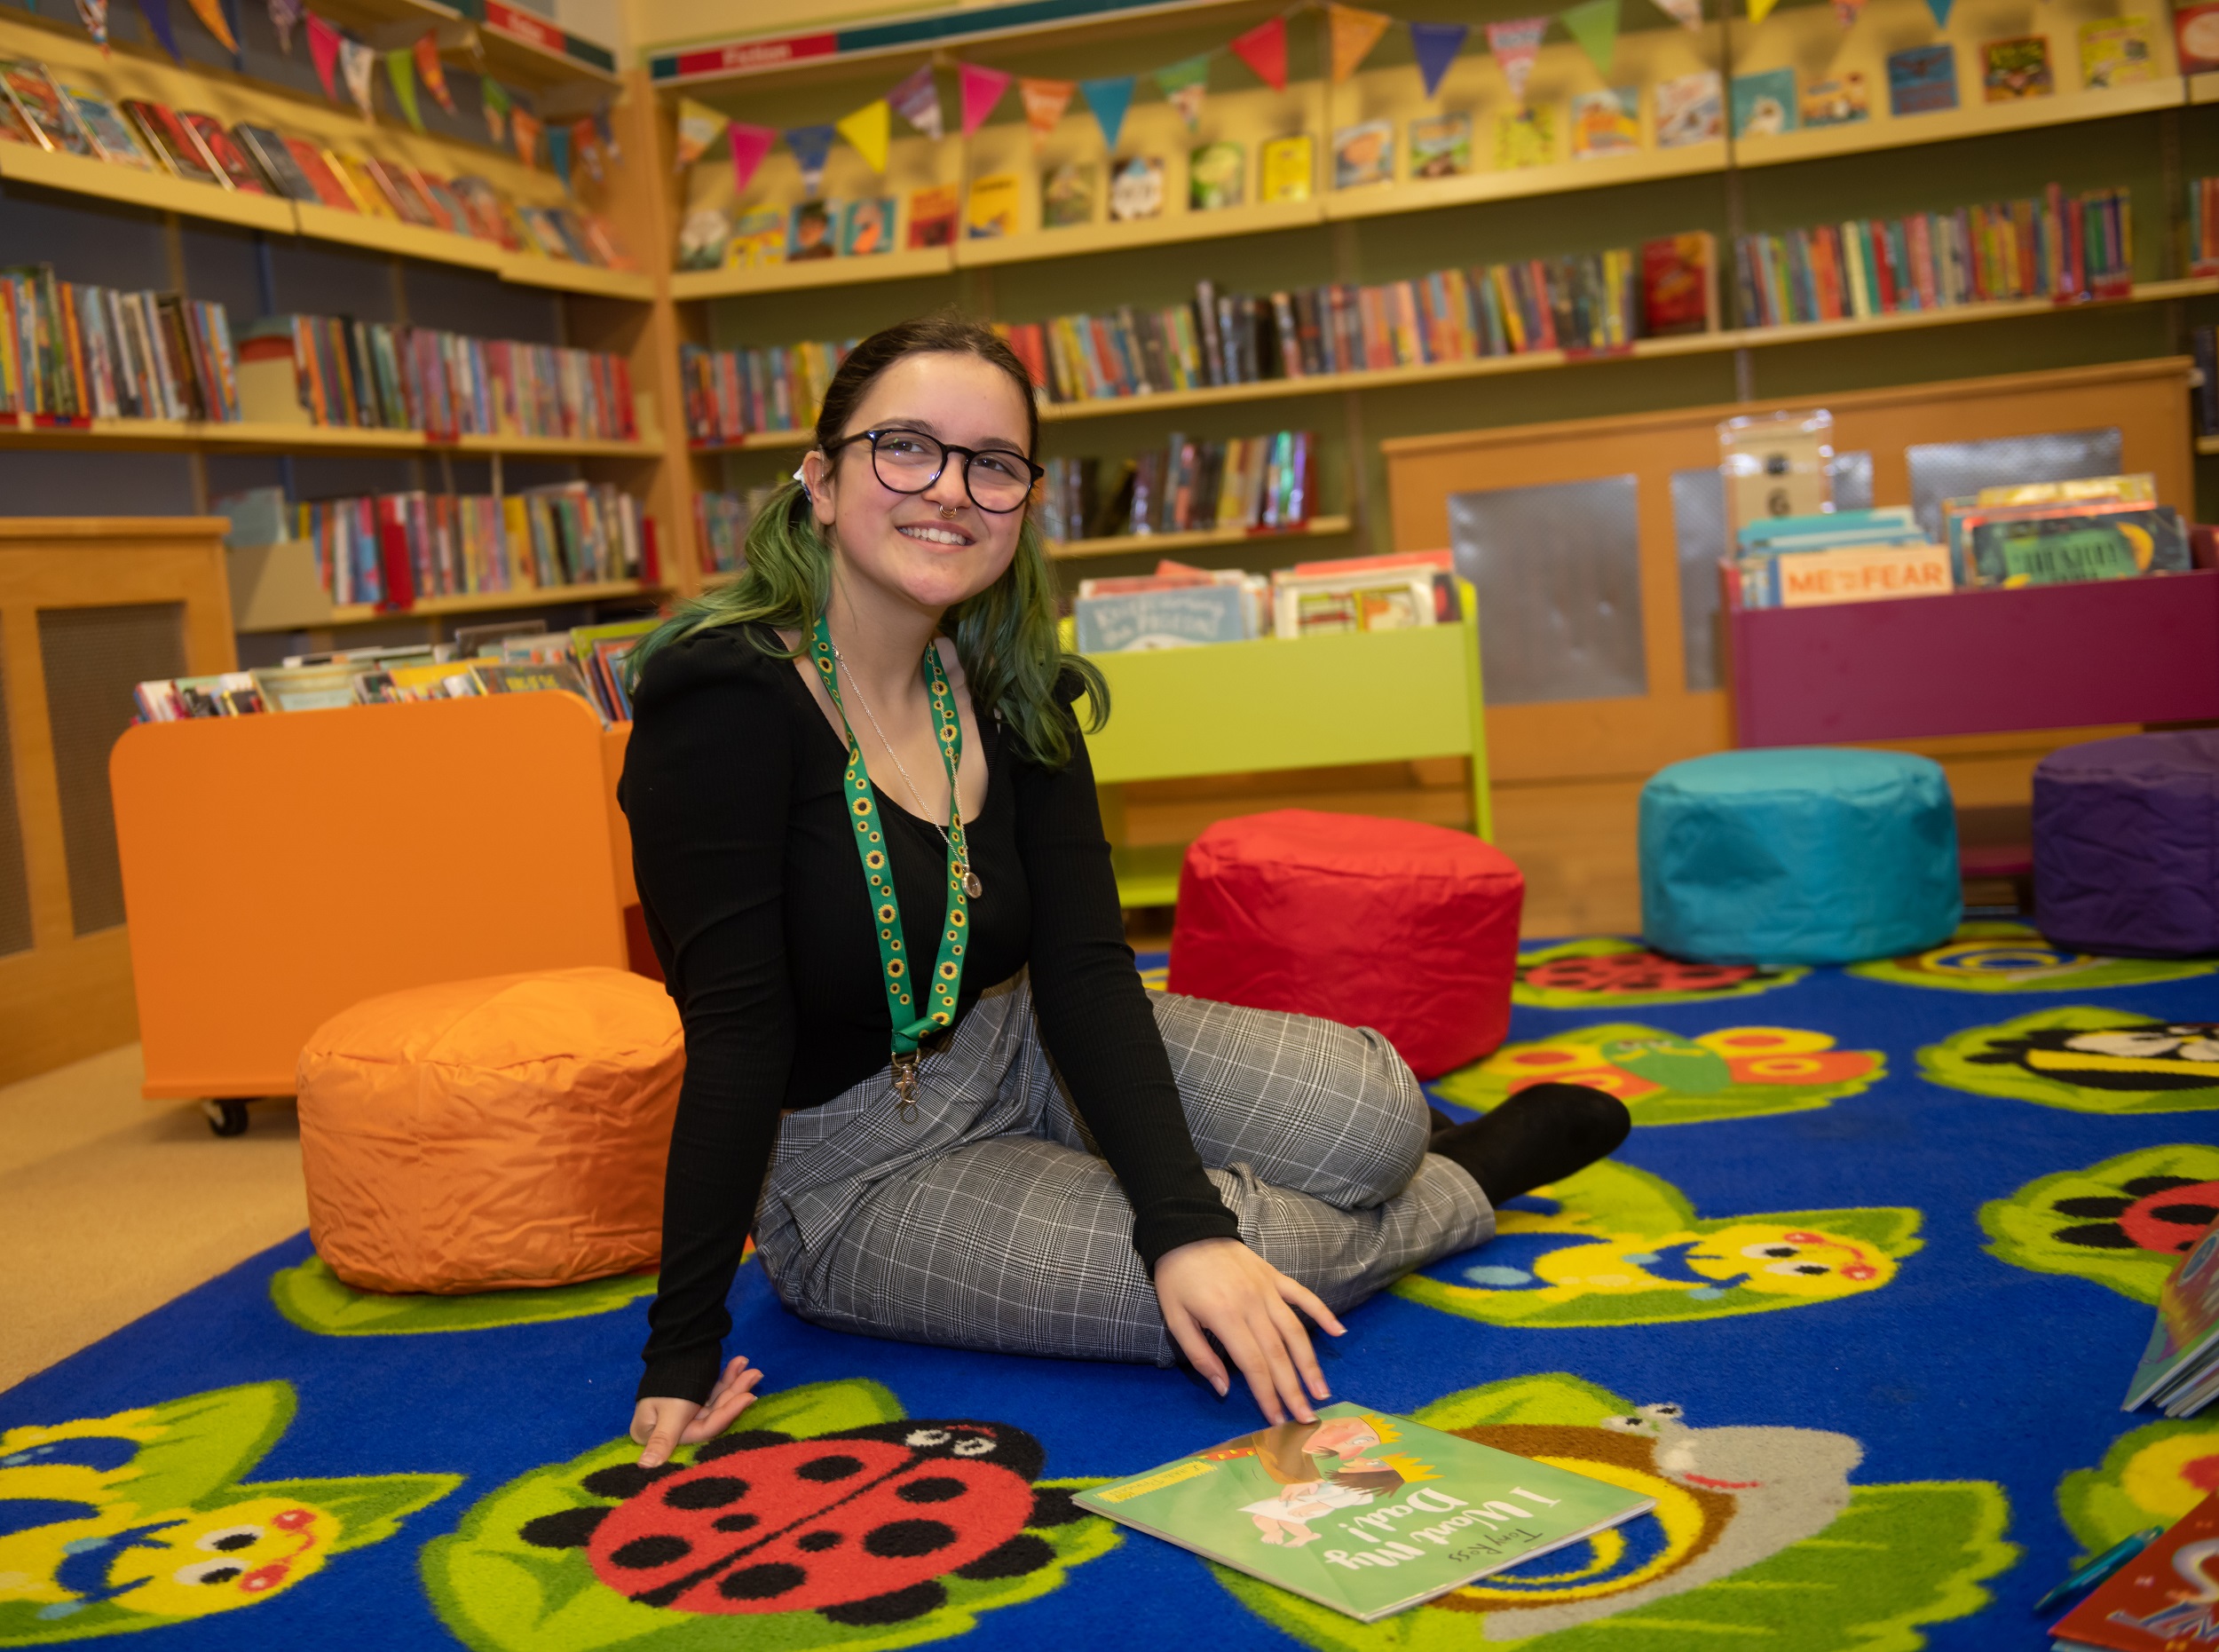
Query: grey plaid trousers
{"points": [[989, 1222]]}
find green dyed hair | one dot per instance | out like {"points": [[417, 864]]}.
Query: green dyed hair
{"points": [[1007, 636]]}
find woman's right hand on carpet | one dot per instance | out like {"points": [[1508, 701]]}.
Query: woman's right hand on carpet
{"points": [[664, 1425], [1222, 1287]]}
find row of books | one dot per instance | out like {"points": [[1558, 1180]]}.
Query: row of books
{"points": [[389, 549], [37, 109], [366, 375], [721, 521], [1182, 606], [2203, 225], [71, 351], [731, 392], [1255, 483], [2049, 246]]}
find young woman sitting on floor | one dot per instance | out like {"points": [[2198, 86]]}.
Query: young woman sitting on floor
{"points": [[920, 1061]]}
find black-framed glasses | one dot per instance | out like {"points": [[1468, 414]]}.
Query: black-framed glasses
{"points": [[998, 479]]}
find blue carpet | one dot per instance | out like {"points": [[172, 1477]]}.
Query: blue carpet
{"points": [[1863, 1322]]}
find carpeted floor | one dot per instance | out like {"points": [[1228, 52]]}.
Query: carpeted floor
{"points": [[1856, 1303]]}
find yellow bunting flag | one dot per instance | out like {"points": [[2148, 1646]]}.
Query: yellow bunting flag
{"points": [[1355, 32], [868, 130], [1759, 10]]}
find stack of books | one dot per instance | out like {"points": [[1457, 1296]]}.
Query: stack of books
{"points": [[1177, 606], [730, 394], [70, 351], [1843, 555], [2203, 226], [1252, 484], [367, 376], [2179, 1369], [1396, 592], [2096, 528], [721, 521], [2046, 246]]}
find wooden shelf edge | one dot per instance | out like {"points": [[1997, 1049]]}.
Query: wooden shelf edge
{"points": [[1133, 544], [105, 180], [2207, 444], [1179, 227], [1427, 196], [525, 269], [1978, 120], [15, 431], [689, 285], [473, 601]]}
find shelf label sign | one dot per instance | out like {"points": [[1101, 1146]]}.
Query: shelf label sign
{"points": [[742, 56]]}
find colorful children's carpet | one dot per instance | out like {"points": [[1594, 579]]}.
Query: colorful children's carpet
{"points": [[1856, 1304]]}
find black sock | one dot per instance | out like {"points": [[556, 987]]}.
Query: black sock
{"points": [[1539, 1135]]}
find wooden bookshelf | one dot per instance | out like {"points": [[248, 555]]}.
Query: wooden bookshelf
{"points": [[1434, 194], [1140, 544], [1076, 239], [2206, 445], [244, 436], [813, 273], [484, 602], [1973, 120]]}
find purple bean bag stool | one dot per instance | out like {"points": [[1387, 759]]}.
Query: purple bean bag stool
{"points": [[2127, 845]]}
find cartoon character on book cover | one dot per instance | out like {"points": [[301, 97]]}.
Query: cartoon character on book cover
{"points": [[1321, 1468]]}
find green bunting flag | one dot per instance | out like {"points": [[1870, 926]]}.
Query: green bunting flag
{"points": [[1183, 84], [1595, 25], [401, 70]]}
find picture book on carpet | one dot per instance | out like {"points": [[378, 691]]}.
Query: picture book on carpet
{"points": [[1361, 1512], [2165, 1599], [2180, 1368]]}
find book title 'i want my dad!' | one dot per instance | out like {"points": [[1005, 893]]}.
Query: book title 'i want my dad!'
{"points": [[1362, 1512]]}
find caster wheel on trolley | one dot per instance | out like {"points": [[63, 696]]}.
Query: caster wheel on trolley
{"points": [[227, 1116]]}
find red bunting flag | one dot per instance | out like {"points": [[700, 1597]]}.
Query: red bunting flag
{"points": [[1264, 49]]}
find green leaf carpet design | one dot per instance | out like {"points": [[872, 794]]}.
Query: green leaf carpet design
{"points": [[755, 1539], [2000, 957], [2086, 1058], [2123, 1223], [1625, 1247], [1737, 1072], [1604, 972], [149, 1521], [1792, 1557], [2150, 1477], [316, 1300]]}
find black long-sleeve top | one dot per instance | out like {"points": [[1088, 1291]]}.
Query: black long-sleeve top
{"points": [[756, 905]]}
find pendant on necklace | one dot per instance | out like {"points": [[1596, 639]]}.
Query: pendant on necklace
{"points": [[972, 887]]}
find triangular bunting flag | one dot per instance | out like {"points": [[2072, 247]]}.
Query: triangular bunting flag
{"points": [[1045, 103], [1594, 25], [699, 126], [602, 124], [1940, 9], [868, 130], [323, 48], [234, 22], [285, 16], [811, 144], [1846, 11], [1110, 99], [585, 145], [1759, 10], [1264, 49], [917, 100], [494, 98], [1184, 84], [400, 73], [1687, 13], [523, 135], [211, 15], [750, 144], [982, 89], [357, 63], [1436, 46], [558, 152], [1355, 32], [157, 15], [1515, 45], [94, 15], [431, 72]]}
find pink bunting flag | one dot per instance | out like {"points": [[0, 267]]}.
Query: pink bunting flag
{"points": [[1515, 45], [1847, 11], [750, 144], [982, 89], [1045, 103], [323, 49], [1264, 49]]}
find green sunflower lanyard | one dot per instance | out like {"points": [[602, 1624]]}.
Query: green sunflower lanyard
{"points": [[863, 814]]}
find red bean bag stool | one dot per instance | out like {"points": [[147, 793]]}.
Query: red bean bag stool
{"points": [[1391, 924], [491, 1135]]}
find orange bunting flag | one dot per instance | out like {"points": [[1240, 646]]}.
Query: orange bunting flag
{"points": [[1355, 32], [1045, 103], [523, 131], [211, 15], [430, 72]]}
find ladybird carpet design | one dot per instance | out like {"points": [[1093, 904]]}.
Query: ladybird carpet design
{"points": [[1855, 1304]]}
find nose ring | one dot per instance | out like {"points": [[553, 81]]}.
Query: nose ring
{"points": [[947, 513]]}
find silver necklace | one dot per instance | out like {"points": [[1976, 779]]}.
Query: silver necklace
{"points": [[962, 867]]}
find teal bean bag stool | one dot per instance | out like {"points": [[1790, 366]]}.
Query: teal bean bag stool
{"points": [[1805, 855]]}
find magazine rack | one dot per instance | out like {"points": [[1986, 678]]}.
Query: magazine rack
{"points": [[278, 869], [1321, 703]]}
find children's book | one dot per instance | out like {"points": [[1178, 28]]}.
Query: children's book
{"points": [[1606, 122], [1525, 138], [1068, 195], [229, 160], [2017, 67], [2196, 35], [1835, 102], [2185, 1339], [758, 240], [932, 214], [1441, 146], [2116, 51], [1362, 1512], [332, 191], [2164, 1600], [1689, 110], [1921, 79], [1678, 288], [993, 207], [1364, 155], [1764, 104], [39, 103], [1136, 189], [110, 135], [165, 134], [268, 152], [813, 231], [304, 688], [1217, 176], [1286, 166], [866, 228]]}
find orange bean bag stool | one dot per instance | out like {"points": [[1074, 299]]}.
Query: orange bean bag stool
{"points": [[491, 1135], [1406, 928]]}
